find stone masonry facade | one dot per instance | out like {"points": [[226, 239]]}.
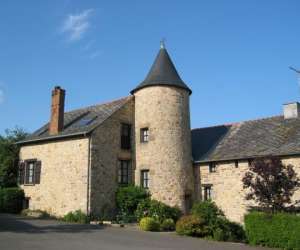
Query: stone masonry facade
{"points": [[106, 155], [167, 154], [79, 158], [64, 172], [227, 188]]}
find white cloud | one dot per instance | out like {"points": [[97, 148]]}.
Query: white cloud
{"points": [[1, 96], [77, 25]]}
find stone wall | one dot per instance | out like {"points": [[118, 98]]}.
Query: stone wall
{"points": [[167, 155], [227, 187], [106, 153], [63, 183]]}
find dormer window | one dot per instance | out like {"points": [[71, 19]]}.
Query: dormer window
{"points": [[144, 134]]}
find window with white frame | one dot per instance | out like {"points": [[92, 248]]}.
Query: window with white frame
{"points": [[145, 180], [212, 167], [144, 134], [207, 192]]}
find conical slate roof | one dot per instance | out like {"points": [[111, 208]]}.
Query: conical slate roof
{"points": [[162, 72]]}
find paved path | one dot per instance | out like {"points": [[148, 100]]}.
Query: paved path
{"points": [[19, 233]]}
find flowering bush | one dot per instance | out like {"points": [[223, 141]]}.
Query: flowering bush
{"points": [[157, 210]]}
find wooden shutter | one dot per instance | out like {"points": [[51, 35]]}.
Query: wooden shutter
{"points": [[37, 172], [26, 172], [21, 172]]}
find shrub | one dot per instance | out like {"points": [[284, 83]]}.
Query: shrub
{"points": [[149, 224], [207, 210], [192, 225], [280, 230], [11, 200], [127, 200], [157, 210], [77, 216], [225, 230], [219, 234], [168, 225]]}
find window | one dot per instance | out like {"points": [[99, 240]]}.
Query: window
{"points": [[207, 192], [125, 136], [144, 135], [124, 172], [212, 167], [145, 178], [30, 172], [236, 164]]}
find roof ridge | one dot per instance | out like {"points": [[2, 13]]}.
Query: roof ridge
{"points": [[100, 104], [237, 123], [214, 126]]}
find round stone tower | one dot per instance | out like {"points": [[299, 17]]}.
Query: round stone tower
{"points": [[163, 134]]}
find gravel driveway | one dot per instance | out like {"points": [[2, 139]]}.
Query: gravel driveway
{"points": [[19, 233]]}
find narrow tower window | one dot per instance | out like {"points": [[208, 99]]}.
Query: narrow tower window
{"points": [[145, 178], [144, 134]]}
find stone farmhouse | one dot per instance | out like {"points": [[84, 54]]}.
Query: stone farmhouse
{"points": [[78, 159]]}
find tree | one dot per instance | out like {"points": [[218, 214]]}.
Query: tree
{"points": [[9, 156], [270, 183]]}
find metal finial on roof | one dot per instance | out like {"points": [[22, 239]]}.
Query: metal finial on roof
{"points": [[162, 43]]}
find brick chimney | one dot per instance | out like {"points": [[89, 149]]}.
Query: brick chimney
{"points": [[57, 111]]}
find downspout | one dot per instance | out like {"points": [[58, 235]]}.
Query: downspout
{"points": [[88, 198]]}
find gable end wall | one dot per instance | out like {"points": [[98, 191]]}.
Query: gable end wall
{"points": [[63, 183]]}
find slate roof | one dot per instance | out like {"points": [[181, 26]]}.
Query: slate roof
{"points": [[162, 72], [80, 121], [249, 139]]}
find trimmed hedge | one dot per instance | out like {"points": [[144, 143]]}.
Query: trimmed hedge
{"points": [[11, 200], [149, 224], [279, 230]]}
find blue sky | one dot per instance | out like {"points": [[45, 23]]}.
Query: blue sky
{"points": [[234, 55]]}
